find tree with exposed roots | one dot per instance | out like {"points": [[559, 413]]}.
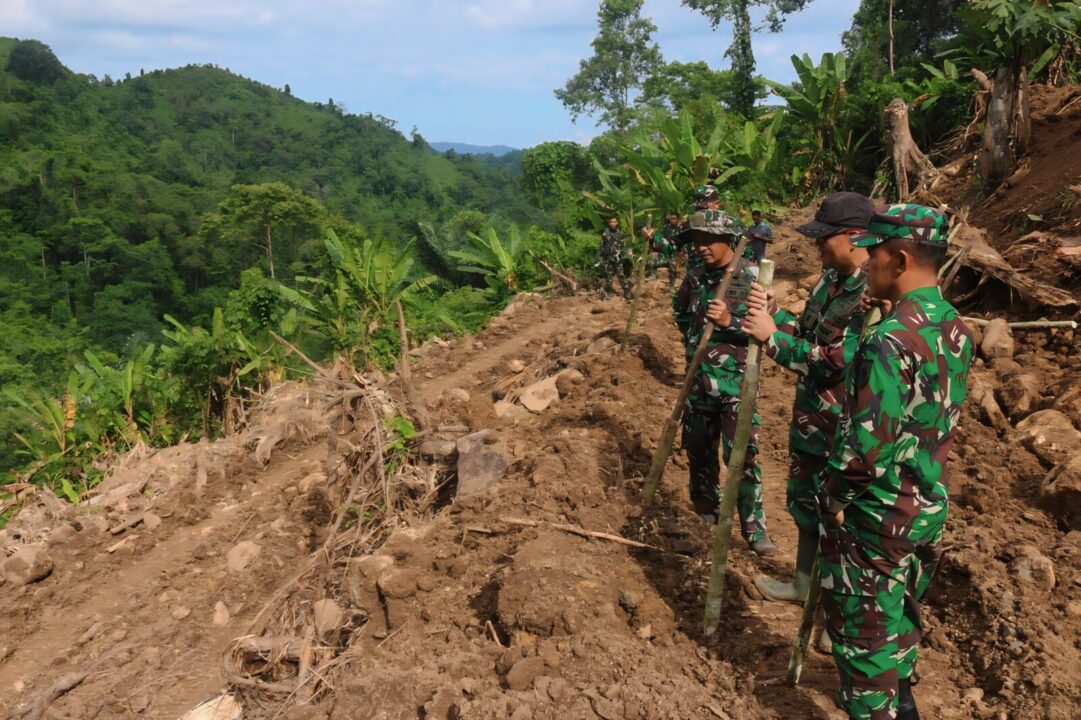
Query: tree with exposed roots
{"points": [[911, 168]]}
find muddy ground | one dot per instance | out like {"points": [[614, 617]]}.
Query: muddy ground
{"points": [[469, 613]]}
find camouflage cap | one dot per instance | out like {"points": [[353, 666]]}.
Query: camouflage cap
{"points": [[707, 226], [705, 195], [917, 222]]}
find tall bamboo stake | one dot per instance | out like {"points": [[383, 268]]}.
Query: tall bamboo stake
{"points": [[638, 278], [722, 537], [668, 432]]}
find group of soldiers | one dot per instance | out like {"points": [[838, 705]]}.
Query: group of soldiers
{"points": [[615, 256], [874, 418]]}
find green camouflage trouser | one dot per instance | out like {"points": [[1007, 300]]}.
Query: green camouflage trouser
{"points": [[804, 483], [610, 267], [704, 431], [872, 606]]}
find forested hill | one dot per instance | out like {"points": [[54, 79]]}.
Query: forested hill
{"points": [[105, 185]]}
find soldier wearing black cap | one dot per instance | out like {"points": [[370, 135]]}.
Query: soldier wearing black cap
{"points": [[818, 346]]}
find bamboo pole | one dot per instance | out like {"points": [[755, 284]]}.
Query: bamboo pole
{"points": [[639, 278], [668, 432], [1027, 324], [722, 537]]}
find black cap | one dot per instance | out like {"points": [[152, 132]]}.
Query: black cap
{"points": [[840, 211]]}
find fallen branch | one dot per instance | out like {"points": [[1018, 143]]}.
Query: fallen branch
{"points": [[1026, 324], [64, 684], [574, 530], [571, 282]]}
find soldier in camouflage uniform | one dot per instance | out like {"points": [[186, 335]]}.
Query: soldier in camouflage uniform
{"points": [[611, 251], [709, 419], [667, 249], [706, 198], [886, 494], [818, 346]]}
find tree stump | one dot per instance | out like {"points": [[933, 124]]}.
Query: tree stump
{"points": [[911, 168], [1008, 130]]}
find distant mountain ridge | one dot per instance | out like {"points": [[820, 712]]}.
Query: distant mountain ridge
{"points": [[466, 148]]}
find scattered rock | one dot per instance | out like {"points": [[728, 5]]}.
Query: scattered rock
{"points": [[312, 481], [972, 696], [984, 398], [600, 345], [524, 672], [151, 521], [1032, 566], [997, 340], [537, 397], [1051, 435], [515, 366], [398, 583], [1073, 608], [567, 379], [180, 612], [328, 616], [222, 707], [510, 411], [1020, 394], [458, 395], [480, 462], [438, 449], [30, 563], [1061, 491], [241, 555], [61, 534], [221, 614]]}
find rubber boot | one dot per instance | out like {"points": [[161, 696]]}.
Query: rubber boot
{"points": [[763, 547], [795, 591], [906, 702]]}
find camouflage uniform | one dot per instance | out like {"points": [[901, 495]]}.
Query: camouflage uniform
{"points": [[709, 418], [612, 250], [887, 472], [667, 251], [818, 346]]}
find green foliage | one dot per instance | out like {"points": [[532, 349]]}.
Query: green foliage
{"points": [[921, 28], [624, 54], [34, 62], [827, 139], [498, 262], [745, 87]]}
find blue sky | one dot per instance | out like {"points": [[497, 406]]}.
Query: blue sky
{"points": [[478, 71]]}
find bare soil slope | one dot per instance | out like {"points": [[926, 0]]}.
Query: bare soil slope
{"points": [[490, 608]]}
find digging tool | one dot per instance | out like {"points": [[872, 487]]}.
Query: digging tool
{"points": [[814, 590], [668, 433], [722, 537]]}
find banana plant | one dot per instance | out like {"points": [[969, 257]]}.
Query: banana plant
{"points": [[497, 261]]}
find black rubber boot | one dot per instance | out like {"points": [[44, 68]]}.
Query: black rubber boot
{"points": [[906, 702]]}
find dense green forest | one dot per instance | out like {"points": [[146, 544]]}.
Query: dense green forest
{"points": [[157, 232]]}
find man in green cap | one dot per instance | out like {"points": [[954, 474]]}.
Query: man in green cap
{"points": [[886, 487], [706, 199], [818, 346], [709, 419]]}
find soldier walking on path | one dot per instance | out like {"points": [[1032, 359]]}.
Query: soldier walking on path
{"points": [[760, 235], [886, 494], [818, 346], [612, 250], [709, 420]]}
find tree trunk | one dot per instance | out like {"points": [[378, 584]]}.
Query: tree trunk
{"points": [[891, 37], [269, 251], [911, 168], [1008, 130]]}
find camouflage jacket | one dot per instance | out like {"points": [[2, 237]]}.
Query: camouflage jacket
{"points": [[819, 346], [721, 372], [613, 245], [905, 389]]}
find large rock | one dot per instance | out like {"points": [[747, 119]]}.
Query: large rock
{"points": [[1033, 567], [30, 563], [1051, 435], [438, 449], [510, 411], [997, 340], [1061, 491], [537, 397], [222, 707], [241, 555], [1020, 394], [480, 462], [600, 345], [567, 379], [983, 397]]}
